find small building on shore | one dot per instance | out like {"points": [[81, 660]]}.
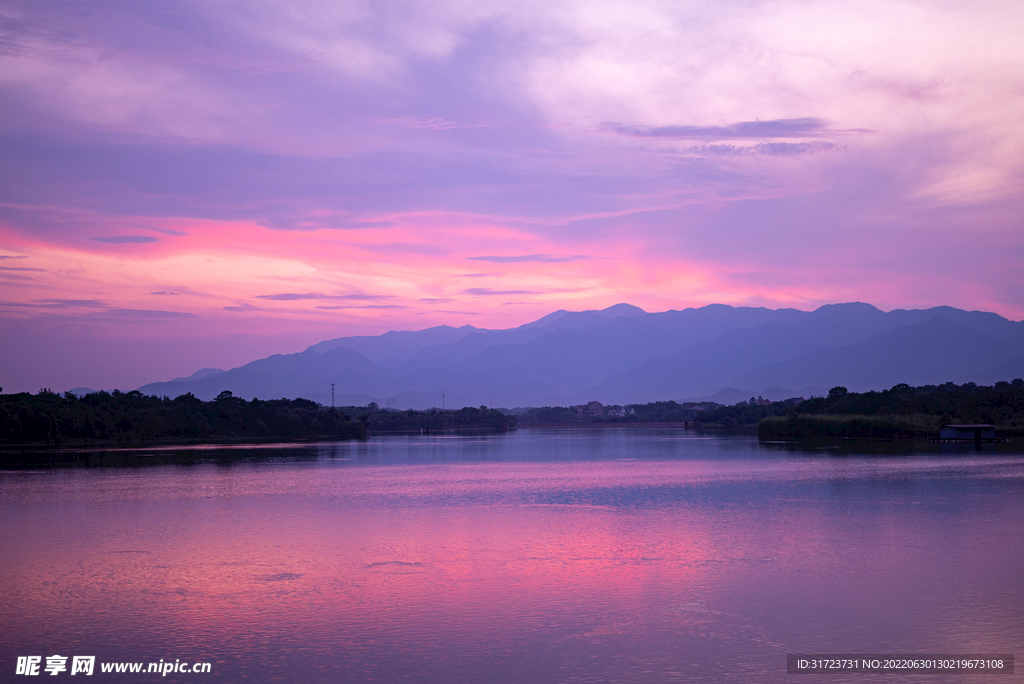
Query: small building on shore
{"points": [[980, 432]]}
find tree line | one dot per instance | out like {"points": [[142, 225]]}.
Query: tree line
{"points": [[53, 419], [48, 418], [465, 419], [901, 411], [653, 412]]}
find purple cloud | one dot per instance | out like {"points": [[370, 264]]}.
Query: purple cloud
{"points": [[779, 128], [165, 231], [146, 314], [485, 291], [362, 306], [528, 258], [125, 239], [774, 148], [294, 296], [89, 303], [318, 223]]}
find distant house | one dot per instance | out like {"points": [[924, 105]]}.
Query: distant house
{"points": [[975, 433], [617, 411], [594, 408]]}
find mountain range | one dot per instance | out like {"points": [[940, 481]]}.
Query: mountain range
{"points": [[623, 355]]}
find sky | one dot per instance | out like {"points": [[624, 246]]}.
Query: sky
{"points": [[191, 184]]}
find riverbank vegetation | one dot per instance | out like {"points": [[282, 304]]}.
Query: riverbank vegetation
{"points": [[653, 412], [900, 412], [100, 418], [468, 419], [896, 413], [848, 426], [50, 419]]}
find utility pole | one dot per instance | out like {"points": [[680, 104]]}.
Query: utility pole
{"points": [[442, 401], [332, 395]]}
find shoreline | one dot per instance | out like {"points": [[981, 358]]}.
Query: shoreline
{"points": [[142, 444], [131, 445], [675, 424]]}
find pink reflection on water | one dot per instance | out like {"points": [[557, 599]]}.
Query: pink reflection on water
{"points": [[602, 570]]}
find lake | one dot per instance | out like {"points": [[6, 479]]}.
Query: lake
{"points": [[612, 555]]}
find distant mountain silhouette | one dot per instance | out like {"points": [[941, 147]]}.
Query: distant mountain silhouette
{"points": [[1014, 368], [625, 355], [927, 353], [199, 374], [395, 344]]}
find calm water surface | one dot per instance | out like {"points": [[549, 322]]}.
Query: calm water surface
{"points": [[536, 556]]}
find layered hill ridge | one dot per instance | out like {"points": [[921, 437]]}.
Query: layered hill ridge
{"points": [[623, 354]]}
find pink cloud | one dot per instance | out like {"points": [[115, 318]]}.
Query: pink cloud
{"points": [[264, 169]]}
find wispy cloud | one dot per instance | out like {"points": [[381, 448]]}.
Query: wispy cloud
{"points": [[778, 128], [310, 223], [485, 291], [16, 277], [291, 296], [295, 296], [788, 149], [125, 239], [528, 258], [150, 313], [774, 148], [165, 231], [88, 303], [97, 309], [163, 292], [433, 123], [362, 306], [102, 309], [362, 297]]}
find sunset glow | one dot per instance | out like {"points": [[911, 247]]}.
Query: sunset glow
{"points": [[203, 184]]}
